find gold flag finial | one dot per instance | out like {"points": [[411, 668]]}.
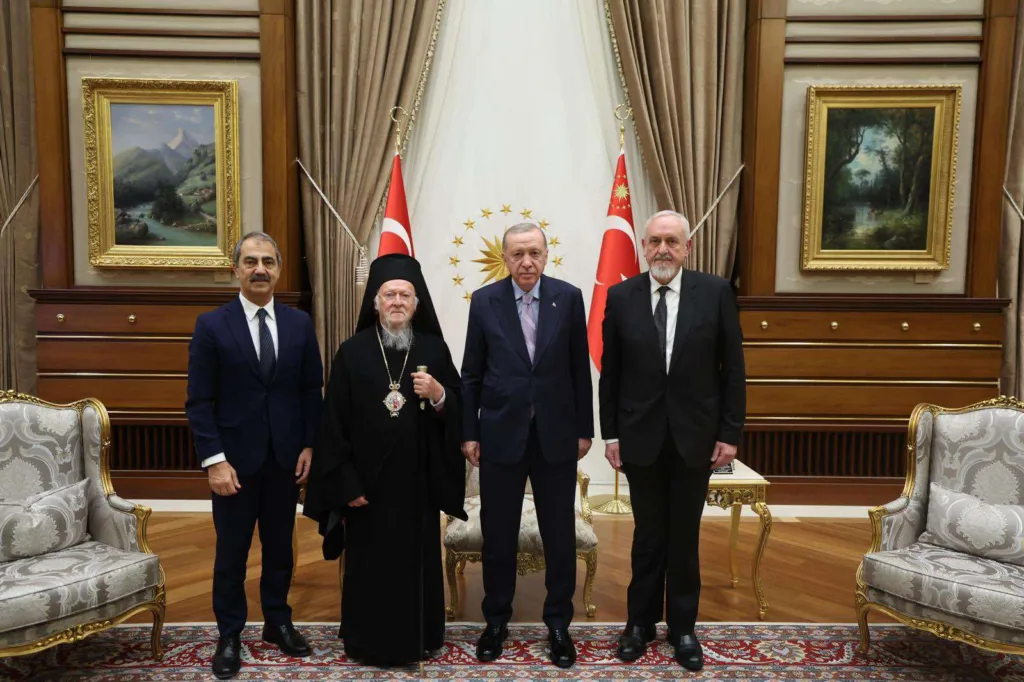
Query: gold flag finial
{"points": [[622, 123], [401, 118]]}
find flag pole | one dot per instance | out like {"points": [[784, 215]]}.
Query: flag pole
{"points": [[616, 504]]}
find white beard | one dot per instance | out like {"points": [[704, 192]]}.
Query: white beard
{"points": [[663, 271], [398, 339]]}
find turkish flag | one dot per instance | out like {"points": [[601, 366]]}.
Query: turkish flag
{"points": [[618, 261], [395, 231]]}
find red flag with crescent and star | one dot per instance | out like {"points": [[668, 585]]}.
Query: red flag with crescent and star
{"points": [[395, 231], [618, 261]]}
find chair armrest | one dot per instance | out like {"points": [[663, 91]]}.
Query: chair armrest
{"points": [[585, 510], [119, 523]]}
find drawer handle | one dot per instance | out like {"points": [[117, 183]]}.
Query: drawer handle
{"points": [[977, 326], [834, 325], [132, 318], [905, 327], [60, 317], [764, 324]]}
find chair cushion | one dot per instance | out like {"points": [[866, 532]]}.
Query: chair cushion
{"points": [[73, 580], [467, 536], [964, 523], [979, 453], [44, 523], [953, 582], [40, 449]]}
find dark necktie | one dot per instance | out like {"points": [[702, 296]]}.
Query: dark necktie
{"points": [[661, 320], [268, 360]]}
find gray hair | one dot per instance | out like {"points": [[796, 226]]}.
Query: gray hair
{"points": [[258, 236], [522, 228], [670, 214]]}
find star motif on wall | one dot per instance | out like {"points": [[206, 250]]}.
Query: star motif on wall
{"points": [[526, 213], [621, 192], [543, 224], [486, 213], [453, 260], [557, 260], [469, 224], [457, 280], [554, 241], [506, 208], [457, 241], [467, 297]]}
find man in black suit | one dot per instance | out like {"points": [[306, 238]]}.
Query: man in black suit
{"points": [[673, 400], [528, 414], [254, 400]]}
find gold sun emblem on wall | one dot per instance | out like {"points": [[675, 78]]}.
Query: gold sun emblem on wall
{"points": [[488, 227]]}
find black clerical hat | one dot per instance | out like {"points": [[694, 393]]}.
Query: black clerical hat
{"points": [[399, 266]]}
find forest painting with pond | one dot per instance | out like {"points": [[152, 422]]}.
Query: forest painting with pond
{"points": [[881, 168], [878, 166], [165, 174]]}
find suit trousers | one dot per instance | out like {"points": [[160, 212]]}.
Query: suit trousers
{"points": [[502, 487], [267, 499], [668, 502]]}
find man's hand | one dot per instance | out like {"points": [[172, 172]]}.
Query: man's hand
{"points": [[584, 448], [359, 502], [471, 451], [723, 454], [611, 453], [302, 466], [223, 479], [426, 386]]}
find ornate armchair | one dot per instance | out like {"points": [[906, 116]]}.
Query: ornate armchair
{"points": [[463, 540], [948, 555], [74, 559]]}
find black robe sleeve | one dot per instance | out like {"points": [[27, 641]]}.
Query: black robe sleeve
{"points": [[447, 467], [333, 479]]}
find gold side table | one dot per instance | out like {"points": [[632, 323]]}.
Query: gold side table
{"points": [[734, 491]]}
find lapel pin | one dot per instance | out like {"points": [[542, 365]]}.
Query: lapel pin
{"points": [[552, 304]]}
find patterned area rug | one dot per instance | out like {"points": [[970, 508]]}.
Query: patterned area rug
{"points": [[762, 651]]}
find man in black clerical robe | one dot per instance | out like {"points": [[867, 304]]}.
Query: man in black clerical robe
{"points": [[388, 462]]}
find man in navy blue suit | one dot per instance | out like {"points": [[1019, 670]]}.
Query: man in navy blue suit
{"points": [[528, 414], [254, 400]]}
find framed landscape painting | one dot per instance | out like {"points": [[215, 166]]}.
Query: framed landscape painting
{"points": [[881, 167], [161, 162]]}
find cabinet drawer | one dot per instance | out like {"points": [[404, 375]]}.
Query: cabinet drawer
{"points": [[118, 319], [871, 326]]}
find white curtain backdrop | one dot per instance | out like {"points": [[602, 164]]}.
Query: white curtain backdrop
{"points": [[518, 112]]}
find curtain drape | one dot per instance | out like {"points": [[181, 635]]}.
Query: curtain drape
{"points": [[18, 246], [356, 60], [1011, 258], [682, 67]]}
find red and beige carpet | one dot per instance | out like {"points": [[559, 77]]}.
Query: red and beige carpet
{"points": [[762, 651]]}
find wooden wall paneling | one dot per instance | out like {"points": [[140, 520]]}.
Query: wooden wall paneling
{"points": [[280, 136], [120, 319], [52, 145], [990, 146], [114, 390], [762, 133], [767, 360], [850, 398], [879, 326], [832, 490]]}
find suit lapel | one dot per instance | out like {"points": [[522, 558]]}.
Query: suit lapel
{"points": [[641, 302], [505, 304], [284, 333], [684, 318], [239, 327], [547, 317]]}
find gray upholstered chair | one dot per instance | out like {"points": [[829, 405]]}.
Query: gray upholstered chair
{"points": [[948, 555], [463, 540], [75, 562]]}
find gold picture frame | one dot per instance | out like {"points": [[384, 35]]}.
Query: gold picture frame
{"points": [[880, 175], [162, 178]]}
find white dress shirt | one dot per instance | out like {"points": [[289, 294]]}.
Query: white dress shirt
{"points": [[251, 311], [672, 310]]}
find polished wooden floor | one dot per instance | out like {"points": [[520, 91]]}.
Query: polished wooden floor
{"points": [[808, 572]]}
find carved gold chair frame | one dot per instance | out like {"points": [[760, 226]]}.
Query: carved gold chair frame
{"points": [[863, 604], [455, 562], [157, 606]]}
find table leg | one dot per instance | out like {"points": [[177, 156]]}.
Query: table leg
{"points": [[734, 533], [762, 540]]}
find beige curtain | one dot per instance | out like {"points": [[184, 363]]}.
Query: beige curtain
{"points": [[1011, 263], [356, 60], [18, 250], [682, 68]]}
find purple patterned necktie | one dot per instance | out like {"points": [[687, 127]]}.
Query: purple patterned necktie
{"points": [[526, 318]]}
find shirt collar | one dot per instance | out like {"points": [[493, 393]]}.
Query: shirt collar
{"points": [[251, 309], [675, 285], [535, 292]]}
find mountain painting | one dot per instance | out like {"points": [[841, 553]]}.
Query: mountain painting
{"points": [[165, 174]]}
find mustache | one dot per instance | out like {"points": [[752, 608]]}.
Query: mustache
{"points": [[259, 278], [663, 256]]}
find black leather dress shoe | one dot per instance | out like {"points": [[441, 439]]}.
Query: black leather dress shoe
{"points": [[228, 658], [689, 653], [488, 647], [287, 639], [563, 651], [634, 640]]}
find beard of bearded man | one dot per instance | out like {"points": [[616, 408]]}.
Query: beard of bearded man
{"points": [[663, 268], [396, 337]]}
